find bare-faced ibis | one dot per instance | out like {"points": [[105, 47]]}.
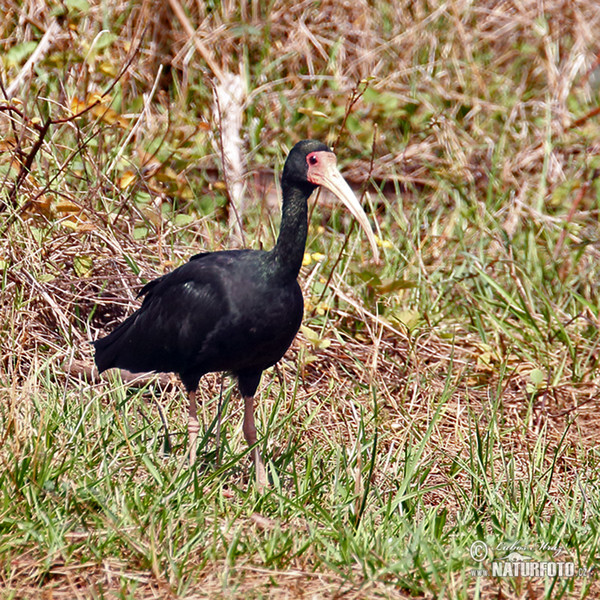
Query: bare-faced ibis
{"points": [[236, 310]]}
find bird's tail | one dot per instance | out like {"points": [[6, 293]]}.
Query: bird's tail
{"points": [[108, 348]]}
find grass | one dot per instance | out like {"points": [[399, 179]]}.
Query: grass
{"points": [[446, 397]]}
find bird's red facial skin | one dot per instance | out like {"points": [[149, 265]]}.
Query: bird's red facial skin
{"points": [[319, 163]]}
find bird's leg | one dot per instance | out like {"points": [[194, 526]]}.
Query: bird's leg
{"points": [[193, 427], [250, 435]]}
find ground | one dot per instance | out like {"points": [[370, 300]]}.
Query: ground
{"points": [[435, 409]]}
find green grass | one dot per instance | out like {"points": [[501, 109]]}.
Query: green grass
{"points": [[445, 397], [385, 511]]}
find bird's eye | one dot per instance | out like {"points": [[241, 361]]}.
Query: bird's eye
{"points": [[313, 160]]}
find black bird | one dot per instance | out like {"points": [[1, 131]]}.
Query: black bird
{"points": [[235, 311]]}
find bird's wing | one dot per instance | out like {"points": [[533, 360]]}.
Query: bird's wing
{"points": [[179, 312], [200, 255], [152, 284]]}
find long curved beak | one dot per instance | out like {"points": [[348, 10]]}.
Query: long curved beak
{"points": [[328, 176]]}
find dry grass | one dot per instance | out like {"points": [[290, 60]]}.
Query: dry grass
{"points": [[466, 368]]}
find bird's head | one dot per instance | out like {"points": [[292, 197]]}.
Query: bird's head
{"points": [[313, 164]]}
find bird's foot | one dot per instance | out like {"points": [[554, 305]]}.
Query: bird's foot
{"points": [[262, 479], [192, 456]]}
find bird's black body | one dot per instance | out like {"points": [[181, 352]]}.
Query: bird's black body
{"points": [[221, 311], [235, 311]]}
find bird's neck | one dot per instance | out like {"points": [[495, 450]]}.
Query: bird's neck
{"points": [[288, 252]]}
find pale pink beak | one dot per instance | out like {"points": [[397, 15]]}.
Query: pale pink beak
{"points": [[325, 173]]}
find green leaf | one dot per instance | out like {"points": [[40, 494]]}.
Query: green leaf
{"points": [[537, 380], [83, 265], [396, 284], [314, 338], [183, 220], [80, 5], [143, 197], [409, 318], [140, 233], [19, 53], [104, 40], [537, 377]]}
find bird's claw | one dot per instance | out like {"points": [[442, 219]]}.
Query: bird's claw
{"points": [[262, 480]]}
